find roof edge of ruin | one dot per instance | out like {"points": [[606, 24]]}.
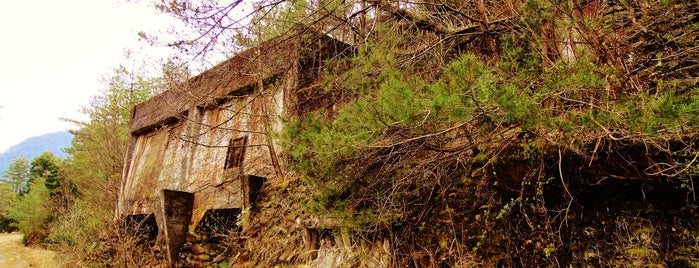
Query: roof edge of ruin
{"points": [[224, 79]]}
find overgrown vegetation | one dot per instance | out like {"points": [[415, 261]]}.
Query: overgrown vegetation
{"points": [[502, 150], [33, 194]]}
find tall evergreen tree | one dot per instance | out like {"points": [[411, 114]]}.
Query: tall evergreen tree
{"points": [[32, 212], [98, 149], [46, 166], [17, 175], [7, 198]]}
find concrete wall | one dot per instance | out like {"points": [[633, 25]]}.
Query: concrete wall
{"points": [[190, 155], [180, 139]]}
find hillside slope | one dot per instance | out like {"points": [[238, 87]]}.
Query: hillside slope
{"points": [[34, 146]]}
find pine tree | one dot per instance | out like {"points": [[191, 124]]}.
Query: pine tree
{"points": [[7, 199], [32, 212], [98, 149], [17, 175], [46, 166]]}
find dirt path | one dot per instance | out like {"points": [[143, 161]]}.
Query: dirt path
{"points": [[14, 255]]}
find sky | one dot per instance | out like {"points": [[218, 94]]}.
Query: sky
{"points": [[53, 55]]}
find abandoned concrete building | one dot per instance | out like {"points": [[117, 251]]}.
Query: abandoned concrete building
{"points": [[202, 149]]}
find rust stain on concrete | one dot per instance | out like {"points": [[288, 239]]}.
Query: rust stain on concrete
{"points": [[182, 141]]}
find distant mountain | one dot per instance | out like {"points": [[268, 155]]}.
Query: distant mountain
{"points": [[35, 146]]}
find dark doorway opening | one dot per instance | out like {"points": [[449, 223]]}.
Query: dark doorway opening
{"points": [[252, 188], [142, 225], [177, 208], [219, 222]]}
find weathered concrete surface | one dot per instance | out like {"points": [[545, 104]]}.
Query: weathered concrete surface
{"points": [[189, 156], [181, 140]]}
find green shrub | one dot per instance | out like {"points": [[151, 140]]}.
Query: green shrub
{"points": [[32, 211]]}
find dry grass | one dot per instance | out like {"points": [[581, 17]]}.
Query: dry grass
{"points": [[14, 254]]}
